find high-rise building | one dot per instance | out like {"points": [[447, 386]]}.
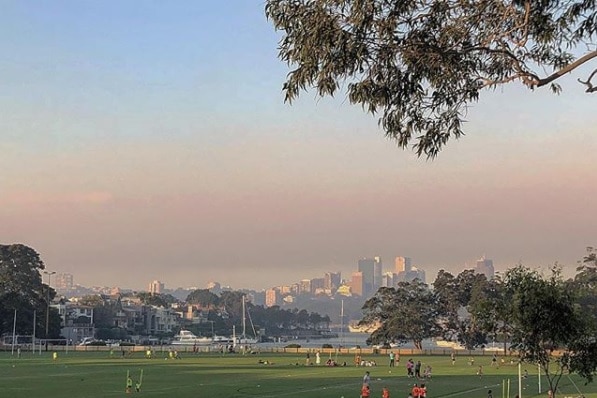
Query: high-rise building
{"points": [[214, 287], [403, 264], [317, 285], [366, 267], [485, 267], [409, 276], [332, 280], [271, 297], [305, 286], [156, 287], [63, 282], [388, 279], [357, 284], [377, 273]]}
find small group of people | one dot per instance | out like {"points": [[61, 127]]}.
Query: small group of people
{"points": [[418, 391], [366, 389], [414, 369], [394, 358]]}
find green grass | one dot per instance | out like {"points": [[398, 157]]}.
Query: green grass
{"points": [[79, 374]]}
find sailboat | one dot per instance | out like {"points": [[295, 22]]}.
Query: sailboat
{"points": [[243, 339]]}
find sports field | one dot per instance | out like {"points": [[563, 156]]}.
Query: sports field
{"points": [[79, 374]]}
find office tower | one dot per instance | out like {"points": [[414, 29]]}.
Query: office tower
{"points": [[214, 287], [305, 286], [388, 279], [403, 264], [377, 273], [156, 287], [357, 284], [317, 285], [367, 267], [271, 297], [332, 280], [63, 282], [485, 267]]}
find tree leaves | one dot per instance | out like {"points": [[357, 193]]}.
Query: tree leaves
{"points": [[420, 64]]}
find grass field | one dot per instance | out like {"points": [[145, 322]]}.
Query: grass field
{"points": [[210, 375]]}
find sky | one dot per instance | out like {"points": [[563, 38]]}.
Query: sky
{"points": [[150, 140]]}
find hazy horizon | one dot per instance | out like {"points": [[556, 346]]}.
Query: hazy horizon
{"points": [[148, 141]]}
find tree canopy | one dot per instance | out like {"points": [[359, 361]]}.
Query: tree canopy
{"points": [[21, 289], [542, 319], [420, 64]]}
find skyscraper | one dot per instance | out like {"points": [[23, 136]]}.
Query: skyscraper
{"points": [[271, 297], [156, 287], [377, 273], [403, 264], [63, 282], [366, 266], [485, 267], [332, 280], [356, 283]]}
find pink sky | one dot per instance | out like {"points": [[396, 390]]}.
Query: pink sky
{"points": [[136, 159]]}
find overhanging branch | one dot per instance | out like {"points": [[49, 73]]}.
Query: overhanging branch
{"points": [[569, 68], [588, 83]]}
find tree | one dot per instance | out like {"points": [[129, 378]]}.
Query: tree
{"points": [[21, 289], [407, 312], [203, 297], [420, 63], [548, 326], [157, 300], [445, 288]]}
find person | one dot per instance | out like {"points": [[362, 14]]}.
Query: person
{"points": [[480, 371], [427, 372], [357, 360], [308, 360], [415, 391], [409, 368], [391, 359], [423, 391], [317, 358], [418, 370], [385, 393], [494, 360], [366, 378], [453, 358], [129, 385], [365, 391], [489, 394], [549, 393], [137, 387], [397, 356]]}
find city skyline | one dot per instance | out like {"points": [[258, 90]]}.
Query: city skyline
{"points": [[479, 265], [147, 141]]}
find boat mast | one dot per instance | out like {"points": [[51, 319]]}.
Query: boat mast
{"points": [[342, 324], [244, 321]]}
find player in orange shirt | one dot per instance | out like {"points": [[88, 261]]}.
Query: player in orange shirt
{"points": [[385, 393], [416, 391], [365, 391]]}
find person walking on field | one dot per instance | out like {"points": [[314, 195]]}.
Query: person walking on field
{"points": [[366, 378], [392, 359]]}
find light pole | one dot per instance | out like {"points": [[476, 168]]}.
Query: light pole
{"points": [[212, 330], [49, 273]]}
